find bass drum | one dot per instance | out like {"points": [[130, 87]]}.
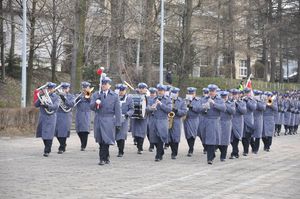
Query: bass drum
{"points": [[140, 103]]}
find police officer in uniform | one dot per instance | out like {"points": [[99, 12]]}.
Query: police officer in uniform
{"points": [[226, 124], [205, 92], [159, 108], [153, 94], [83, 114], [237, 123], [248, 120], [191, 122], [47, 118], [258, 121], [212, 107], [64, 116], [139, 126], [179, 108], [107, 121], [127, 108], [268, 121]]}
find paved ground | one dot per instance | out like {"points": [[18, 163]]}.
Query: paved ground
{"points": [[25, 173]]}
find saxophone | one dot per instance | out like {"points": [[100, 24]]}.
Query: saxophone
{"points": [[171, 115]]}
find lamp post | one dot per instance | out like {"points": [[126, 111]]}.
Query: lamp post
{"points": [[161, 57], [23, 93]]}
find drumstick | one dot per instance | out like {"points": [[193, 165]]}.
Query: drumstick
{"points": [[129, 85]]}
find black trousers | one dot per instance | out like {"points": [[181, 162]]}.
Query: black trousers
{"points": [[62, 143], [121, 145], [83, 138], [140, 142], [159, 150], [174, 148], [211, 152], [223, 149], [191, 143], [48, 145], [235, 147], [246, 142], [267, 142], [255, 142], [277, 128], [104, 152]]}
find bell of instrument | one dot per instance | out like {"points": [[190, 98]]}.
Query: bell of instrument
{"points": [[88, 93], [270, 102]]}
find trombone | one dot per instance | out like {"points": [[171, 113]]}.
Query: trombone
{"points": [[87, 94]]}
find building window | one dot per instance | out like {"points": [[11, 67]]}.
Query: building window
{"points": [[243, 68]]}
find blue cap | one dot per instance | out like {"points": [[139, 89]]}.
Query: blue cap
{"points": [[152, 90], [85, 84], [212, 87], [224, 93], [205, 90], [117, 86], [123, 87], [142, 85], [51, 85], [268, 93], [168, 87], [191, 89], [106, 80], [247, 90], [257, 92], [235, 91], [175, 90], [161, 87], [65, 85]]}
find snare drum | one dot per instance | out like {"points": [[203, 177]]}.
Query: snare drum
{"points": [[140, 103]]}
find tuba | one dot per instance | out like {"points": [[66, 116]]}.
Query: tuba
{"points": [[44, 97], [171, 115]]}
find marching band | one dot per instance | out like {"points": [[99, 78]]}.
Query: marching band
{"points": [[219, 118]]}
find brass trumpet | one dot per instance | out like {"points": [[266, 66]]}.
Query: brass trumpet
{"points": [[88, 93]]}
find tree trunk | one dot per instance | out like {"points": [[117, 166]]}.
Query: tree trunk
{"points": [[54, 41], [2, 43], [216, 59], [13, 36], [78, 44], [279, 11], [231, 48], [272, 42], [249, 29], [148, 40], [117, 39], [32, 20], [186, 64]]}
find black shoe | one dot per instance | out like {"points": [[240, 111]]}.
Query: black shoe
{"points": [[46, 154], [101, 163], [210, 162], [222, 160], [82, 149], [267, 150], [157, 160], [245, 154], [135, 143], [254, 152], [60, 152], [139, 152], [151, 149], [204, 152], [190, 154], [173, 157], [232, 157], [107, 162], [120, 155]]}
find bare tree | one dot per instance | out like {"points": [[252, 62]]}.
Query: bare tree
{"points": [[2, 42], [81, 7]]}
